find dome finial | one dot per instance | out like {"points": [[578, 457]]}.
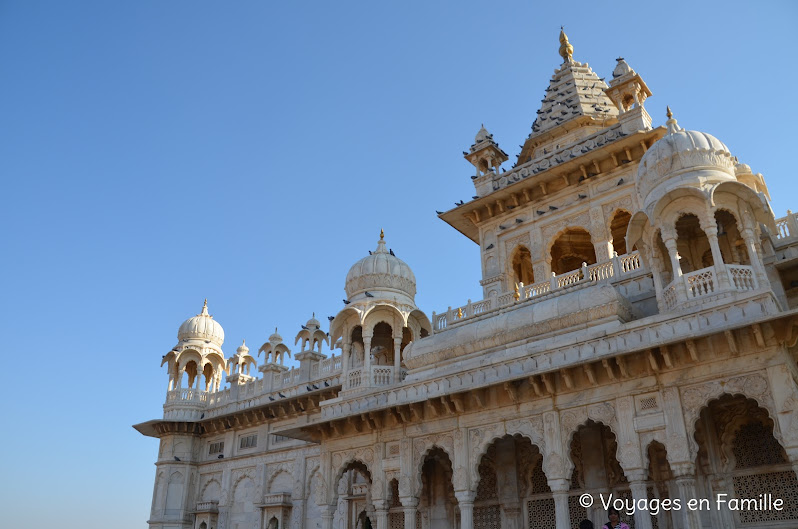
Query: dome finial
{"points": [[205, 308], [673, 127], [566, 50], [382, 234]]}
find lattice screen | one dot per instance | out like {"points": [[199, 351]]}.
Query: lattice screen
{"points": [[487, 517], [486, 488], [540, 513], [576, 512], [654, 519], [627, 496], [754, 446], [539, 482], [396, 520], [782, 485], [395, 501]]}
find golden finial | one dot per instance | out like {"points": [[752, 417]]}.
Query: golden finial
{"points": [[382, 234], [517, 295], [460, 313], [670, 114], [566, 50]]}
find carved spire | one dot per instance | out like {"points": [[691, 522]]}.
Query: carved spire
{"points": [[204, 308], [671, 123], [382, 234], [566, 50]]}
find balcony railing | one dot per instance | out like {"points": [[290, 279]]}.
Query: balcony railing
{"points": [[187, 395], [615, 268], [705, 282], [787, 226], [379, 375]]}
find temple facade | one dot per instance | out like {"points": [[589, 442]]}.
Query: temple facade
{"points": [[635, 344]]}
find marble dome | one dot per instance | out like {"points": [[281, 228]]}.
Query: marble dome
{"points": [[682, 158], [381, 274], [201, 327]]}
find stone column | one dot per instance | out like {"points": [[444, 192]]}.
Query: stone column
{"points": [[409, 506], [753, 257], [346, 351], [397, 360], [681, 291], [640, 492], [366, 376], [687, 491], [327, 513], [717, 257], [381, 514], [465, 500], [561, 514]]}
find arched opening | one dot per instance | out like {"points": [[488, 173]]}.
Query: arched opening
{"points": [[660, 485], [522, 266], [732, 245], [358, 349], [353, 489], [739, 455], [572, 248], [396, 516], [203, 525], [596, 471], [522, 495], [618, 226], [664, 258], [437, 502], [692, 244], [208, 373], [382, 345], [191, 371], [273, 523]]}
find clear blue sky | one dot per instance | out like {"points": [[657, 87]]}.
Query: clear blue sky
{"points": [[155, 153]]}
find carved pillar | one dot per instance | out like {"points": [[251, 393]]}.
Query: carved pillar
{"points": [[465, 500], [687, 491], [681, 292], [717, 257], [381, 514], [561, 514], [327, 513], [366, 376], [409, 506], [753, 257], [397, 360], [656, 271], [346, 352], [639, 490]]}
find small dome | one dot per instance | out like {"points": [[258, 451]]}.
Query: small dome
{"points": [[275, 337], [202, 327], [381, 273], [243, 349], [622, 68], [482, 135], [682, 157], [313, 323], [742, 168]]}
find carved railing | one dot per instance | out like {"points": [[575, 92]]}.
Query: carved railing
{"points": [[742, 277], [279, 498], [701, 282], [207, 506], [704, 282], [613, 269], [354, 378], [669, 296], [787, 226], [382, 375], [187, 395]]}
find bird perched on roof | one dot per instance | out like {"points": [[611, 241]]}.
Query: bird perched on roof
{"points": [[281, 395], [489, 246], [582, 196], [475, 197], [326, 384], [177, 458], [620, 182], [369, 294], [304, 327], [540, 212], [502, 227], [347, 302], [439, 212], [459, 203], [369, 252], [331, 318], [553, 208], [518, 221], [390, 251]]}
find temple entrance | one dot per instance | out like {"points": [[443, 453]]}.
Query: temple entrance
{"points": [[437, 504], [354, 498]]}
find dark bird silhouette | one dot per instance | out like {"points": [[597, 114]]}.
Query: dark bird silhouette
{"points": [[331, 318], [582, 196], [202, 416], [540, 212], [220, 456], [369, 252], [465, 153], [177, 458], [271, 398], [369, 294], [391, 252], [439, 212], [504, 170], [315, 386], [304, 327], [326, 384], [502, 227], [281, 395], [309, 388], [347, 302], [459, 203], [490, 246], [518, 221], [475, 197], [620, 182], [581, 178], [553, 208]]}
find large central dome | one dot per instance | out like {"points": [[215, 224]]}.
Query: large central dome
{"points": [[383, 275]]}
